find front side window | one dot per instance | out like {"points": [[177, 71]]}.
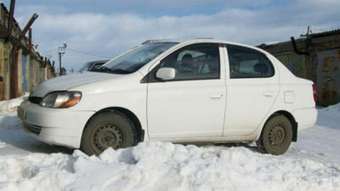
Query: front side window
{"points": [[248, 63], [136, 58], [193, 62]]}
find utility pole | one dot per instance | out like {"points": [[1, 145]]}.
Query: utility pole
{"points": [[61, 52], [11, 17]]}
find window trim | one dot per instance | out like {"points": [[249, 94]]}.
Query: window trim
{"points": [[150, 77], [226, 46]]}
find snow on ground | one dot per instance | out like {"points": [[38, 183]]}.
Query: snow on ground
{"points": [[311, 164], [324, 139], [11, 105]]}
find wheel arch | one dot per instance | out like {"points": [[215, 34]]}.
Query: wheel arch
{"points": [[128, 113], [291, 119]]}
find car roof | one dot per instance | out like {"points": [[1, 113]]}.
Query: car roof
{"points": [[201, 40], [195, 40]]}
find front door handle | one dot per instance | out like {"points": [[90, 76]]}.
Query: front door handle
{"points": [[268, 94]]}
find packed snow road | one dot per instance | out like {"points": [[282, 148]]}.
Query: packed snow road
{"points": [[311, 164]]}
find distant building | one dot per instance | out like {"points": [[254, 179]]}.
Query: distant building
{"points": [[316, 57], [24, 69]]}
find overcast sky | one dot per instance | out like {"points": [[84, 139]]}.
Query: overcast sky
{"points": [[100, 29]]}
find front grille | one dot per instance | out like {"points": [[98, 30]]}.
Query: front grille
{"points": [[33, 128], [34, 99]]}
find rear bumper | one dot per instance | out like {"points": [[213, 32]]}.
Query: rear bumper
{"points": [[305, 117], [54, 126]]}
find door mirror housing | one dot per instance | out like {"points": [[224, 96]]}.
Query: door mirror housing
{"points": [[166, 73]]}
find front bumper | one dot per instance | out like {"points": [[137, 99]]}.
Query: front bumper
{"points": [[54, 126]]}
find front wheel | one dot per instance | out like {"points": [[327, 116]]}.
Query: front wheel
{"points": [[108, 129], [276, 135]]}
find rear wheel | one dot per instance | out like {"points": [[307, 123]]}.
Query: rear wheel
{"points": [[276, 135], [108, 129]]}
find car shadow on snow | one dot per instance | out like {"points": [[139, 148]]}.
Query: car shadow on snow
{"points": [[245, 145], [15, 140], [248, 146]]}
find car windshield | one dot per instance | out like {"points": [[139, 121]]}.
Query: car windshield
{"points": [[136, 58]]}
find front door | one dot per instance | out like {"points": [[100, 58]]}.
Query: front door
{"points": [[192, 104]]}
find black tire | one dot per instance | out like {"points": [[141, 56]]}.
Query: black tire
{"points": [[108, 129], [276, 135]]}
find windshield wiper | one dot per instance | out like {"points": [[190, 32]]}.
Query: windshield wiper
{"points": [[109, 70], [101, 69], [119, 71]]}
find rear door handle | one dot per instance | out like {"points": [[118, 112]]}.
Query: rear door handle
{"points": [[219, 96]]}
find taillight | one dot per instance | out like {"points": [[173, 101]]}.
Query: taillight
{"points": [[315, 93]]}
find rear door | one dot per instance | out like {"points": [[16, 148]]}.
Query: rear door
{"points": [[252, 87], [193, 104]]}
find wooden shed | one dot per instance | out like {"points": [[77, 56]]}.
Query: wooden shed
{"points": [[21, 68]]}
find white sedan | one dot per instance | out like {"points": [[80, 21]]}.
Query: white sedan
{"points": [[200, 90]]}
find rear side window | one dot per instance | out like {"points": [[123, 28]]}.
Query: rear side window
{"points": [[248, 63]]}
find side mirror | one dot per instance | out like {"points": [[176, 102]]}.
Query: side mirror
{"points": [[166, 73]]}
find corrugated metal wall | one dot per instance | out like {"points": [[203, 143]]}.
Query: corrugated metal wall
{"points": [[328, 76], [295, 63], [320, 63]]}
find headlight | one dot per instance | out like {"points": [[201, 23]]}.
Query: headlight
{"points": [[63, 99]]}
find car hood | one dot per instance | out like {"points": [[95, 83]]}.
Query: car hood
{"points": [[70, 81]]}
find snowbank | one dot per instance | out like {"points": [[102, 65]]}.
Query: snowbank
{"points": [[329, 116], [11, 105], [333, 108], [166, 166]]}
